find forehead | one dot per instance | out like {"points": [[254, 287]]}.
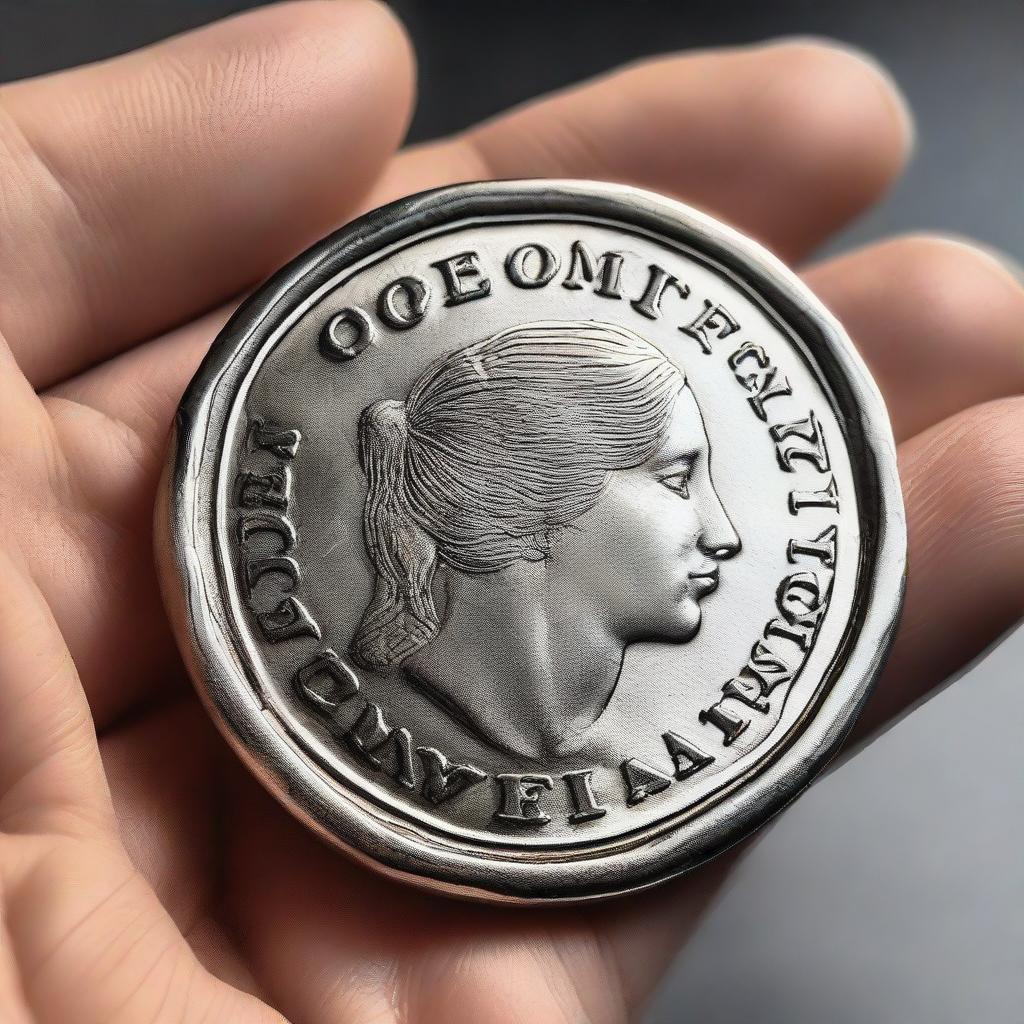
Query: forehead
{"points": [[685, 433]]}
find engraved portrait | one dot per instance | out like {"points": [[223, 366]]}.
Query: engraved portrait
{"points": [[539, 501]]}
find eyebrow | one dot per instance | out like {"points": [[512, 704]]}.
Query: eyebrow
{"points": [[680, 457]]}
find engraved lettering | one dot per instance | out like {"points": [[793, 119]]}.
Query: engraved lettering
{"points": [[767, 668], [747, 691], [823, 547], [658, 280], [768, 387], [827, 497], [281, 565], [400, 743], [288, 620], [714, 318], [266, 496], [761, 378], [763, 672], [748, 351], [799, 598], [642, 780], [583, 267], [372, 738], [456, 272], [732, 725], [326, 682], [253, 523], [369, 733], [687, 758], [517, 265], [276, 440], [346, 334], [581, 792], [520, 799], [445, 780], [264, 490], [403, 303], [801, 439], [795, 632]]}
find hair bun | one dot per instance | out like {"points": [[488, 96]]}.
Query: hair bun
{"points": [[385, 414]]}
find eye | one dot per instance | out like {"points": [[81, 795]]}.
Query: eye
{"points": [[679, 481]]}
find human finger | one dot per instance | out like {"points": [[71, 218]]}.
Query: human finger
{"points": [[142, 190], [963, 481], [940, 323], [787, 141], [51, 778], [650, 100], [965, 506], [142, 387]]}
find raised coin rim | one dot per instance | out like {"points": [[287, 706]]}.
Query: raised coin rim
{"points": [[185, 543]]}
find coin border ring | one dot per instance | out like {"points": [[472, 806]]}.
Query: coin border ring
{"points": [[189, 570]]}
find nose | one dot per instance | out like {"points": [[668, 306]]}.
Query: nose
{"points": [[718, 538]]}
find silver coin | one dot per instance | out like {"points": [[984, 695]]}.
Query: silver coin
{"points": [[533, 540]]}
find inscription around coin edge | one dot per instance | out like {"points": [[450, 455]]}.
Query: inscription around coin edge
{"points": [[267, 495]]}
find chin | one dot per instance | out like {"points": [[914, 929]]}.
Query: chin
{"points": [[685, 623], [676, 623]]}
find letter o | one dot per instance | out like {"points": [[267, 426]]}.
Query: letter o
{"points": [[333, 344], [515, 265], [416, 295]]}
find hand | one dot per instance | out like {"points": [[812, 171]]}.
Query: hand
{"points": [[144, 876]]}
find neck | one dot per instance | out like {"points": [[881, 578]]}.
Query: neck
{"points": [[521, 659]]}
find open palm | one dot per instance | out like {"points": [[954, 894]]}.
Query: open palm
{"points": [[145, 878]]}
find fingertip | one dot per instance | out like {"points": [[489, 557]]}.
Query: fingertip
{"points": [[1005, 265], [840, 115], [953, 281], [395, 54], [177, 175], [864, 71], [356, 67], [294, 88], [940, 321], [354, 58]]}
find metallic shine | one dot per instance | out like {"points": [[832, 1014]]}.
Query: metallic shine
{"points": [[533, 541]]}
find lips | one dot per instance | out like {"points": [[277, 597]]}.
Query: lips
{"points": [[706, 581]]}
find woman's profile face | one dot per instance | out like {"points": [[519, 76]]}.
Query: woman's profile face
{"points": [[648, 551]]}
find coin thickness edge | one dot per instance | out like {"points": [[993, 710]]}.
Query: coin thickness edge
{"points": [[533, 541]]}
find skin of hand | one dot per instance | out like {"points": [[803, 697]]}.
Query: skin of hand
{"points": [[144, 876]]}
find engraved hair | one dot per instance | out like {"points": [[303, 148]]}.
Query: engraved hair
{"points": [[498, 446]]}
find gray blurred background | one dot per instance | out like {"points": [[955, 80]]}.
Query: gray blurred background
{"points": [[894, 890]]}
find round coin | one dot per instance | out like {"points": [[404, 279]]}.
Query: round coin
{"points": [[533, 540]]}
